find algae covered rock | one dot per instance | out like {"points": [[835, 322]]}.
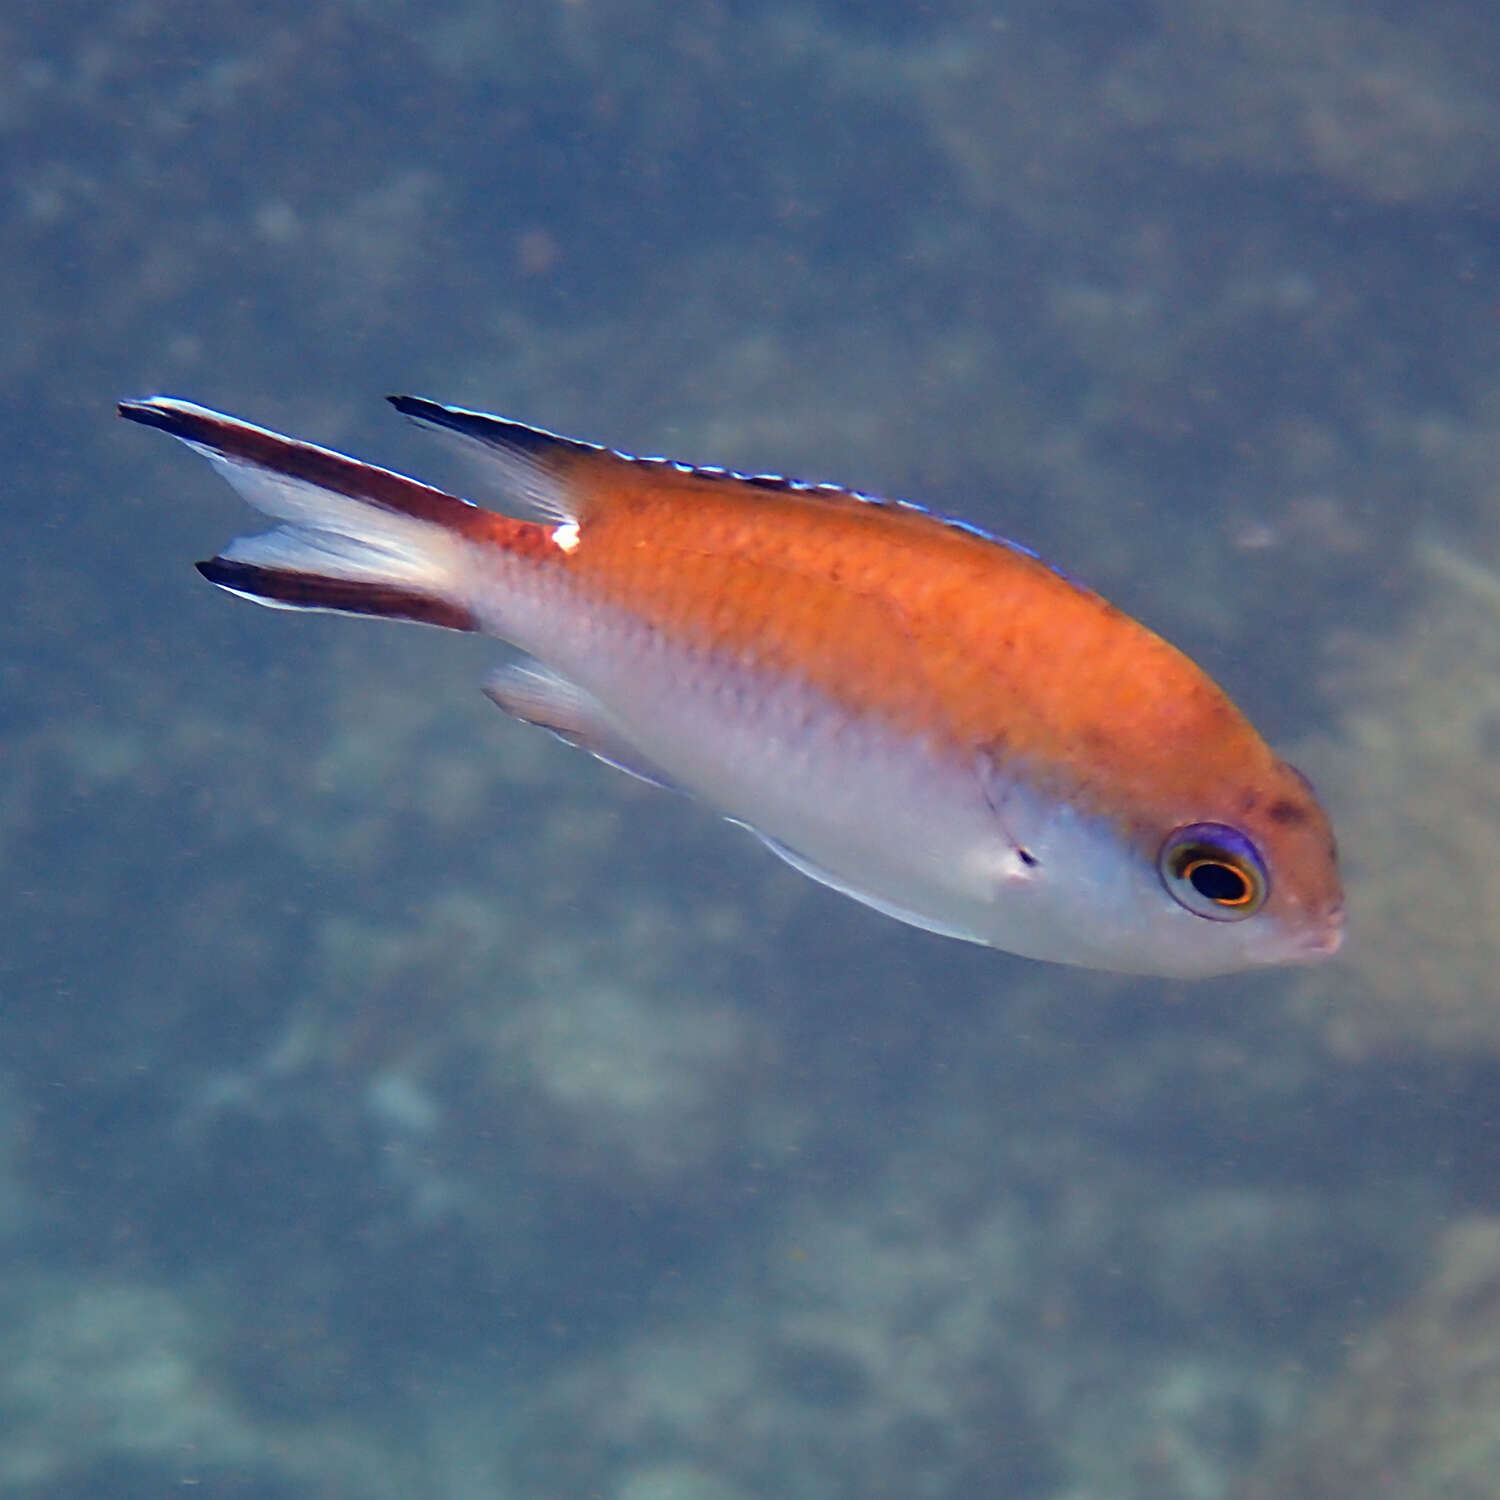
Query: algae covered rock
{"points": [[1417, 1410], [1419, 819]]}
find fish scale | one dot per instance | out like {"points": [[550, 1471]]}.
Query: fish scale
{"points": [[897, 614]]}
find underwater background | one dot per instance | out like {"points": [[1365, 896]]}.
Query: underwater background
{"points": [[395, 1103]]}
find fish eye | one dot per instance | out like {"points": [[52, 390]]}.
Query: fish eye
{"points": [[1214, 871]]}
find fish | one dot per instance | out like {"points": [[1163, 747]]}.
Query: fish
{"points": [[902, 706]]}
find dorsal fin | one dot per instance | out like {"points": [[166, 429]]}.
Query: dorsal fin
{"points": [[493, 432], [527, 467], [533, 455], [518, 464]]}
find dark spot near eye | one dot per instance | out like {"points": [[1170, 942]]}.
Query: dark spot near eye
{"points": [[1288, 814], [1028, 858]]}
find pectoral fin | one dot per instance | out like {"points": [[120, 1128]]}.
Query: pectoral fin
{"points": [[535, 695]]}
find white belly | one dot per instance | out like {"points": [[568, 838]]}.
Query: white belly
{"points": [[876, 813]]}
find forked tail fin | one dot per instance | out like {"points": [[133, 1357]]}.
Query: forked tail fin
{"points": [[352, 537]]}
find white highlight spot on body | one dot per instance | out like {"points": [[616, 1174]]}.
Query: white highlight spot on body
{"points": [[565, 537]]}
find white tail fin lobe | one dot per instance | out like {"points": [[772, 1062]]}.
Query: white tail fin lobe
{"points": [[352, 537]]}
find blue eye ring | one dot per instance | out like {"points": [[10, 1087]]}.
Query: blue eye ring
{"points": [[1214, 871]]}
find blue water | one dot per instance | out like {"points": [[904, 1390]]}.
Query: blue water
{"points": [[396, 1103]]}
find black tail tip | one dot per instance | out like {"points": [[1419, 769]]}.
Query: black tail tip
{"points": [[416, 406], [154, 411], [350, 596]]}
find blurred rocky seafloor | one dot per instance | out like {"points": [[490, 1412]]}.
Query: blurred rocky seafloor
{"points": [[397, 1103]]}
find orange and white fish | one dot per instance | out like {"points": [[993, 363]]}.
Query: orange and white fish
{"points": [[922, 716]]}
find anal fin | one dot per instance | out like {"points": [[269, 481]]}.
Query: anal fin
{"points": [[814, 871], [536, 695]]}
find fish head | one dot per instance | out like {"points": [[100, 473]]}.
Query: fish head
{"points": [[1254, 881], [1225, 878]]}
